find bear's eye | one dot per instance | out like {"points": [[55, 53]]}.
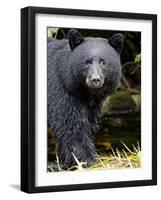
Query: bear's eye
{"points": [[88, 62], [102, 62]]}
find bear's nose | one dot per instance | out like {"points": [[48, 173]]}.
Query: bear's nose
{"points": [[96, 81]]}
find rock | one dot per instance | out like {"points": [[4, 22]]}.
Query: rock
{"points": [[120, 103]]}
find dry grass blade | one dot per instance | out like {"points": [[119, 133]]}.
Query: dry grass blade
{"points": [[57, 159], [126, 147], [80, 164], [130, 164]]}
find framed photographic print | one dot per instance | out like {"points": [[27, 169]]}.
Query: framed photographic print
{"points": [[88, 99]]}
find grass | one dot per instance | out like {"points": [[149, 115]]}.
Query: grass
{"points": [[115, 159]]}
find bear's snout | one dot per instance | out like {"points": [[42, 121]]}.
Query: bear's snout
{"points": [[94, 82], [94, 77]]}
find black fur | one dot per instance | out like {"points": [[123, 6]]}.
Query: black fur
{"points": [[73, 107]]}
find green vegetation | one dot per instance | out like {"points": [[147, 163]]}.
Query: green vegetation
{"points": [[138, 59], [52, 32]]}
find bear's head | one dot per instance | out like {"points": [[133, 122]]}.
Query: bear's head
{"points": [[95, 62]]}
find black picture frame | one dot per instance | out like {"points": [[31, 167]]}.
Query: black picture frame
{"points": [[28, 98]]}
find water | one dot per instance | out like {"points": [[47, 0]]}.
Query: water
{"points": [[116, 129]]}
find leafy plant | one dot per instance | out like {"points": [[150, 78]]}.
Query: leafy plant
{"points": [[138, 59], [52, 32]]}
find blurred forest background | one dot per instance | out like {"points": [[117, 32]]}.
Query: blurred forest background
{"points": [[119, 141]]}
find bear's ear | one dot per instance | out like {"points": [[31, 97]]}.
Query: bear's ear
{"points": [[116, 41], [74, 38]]}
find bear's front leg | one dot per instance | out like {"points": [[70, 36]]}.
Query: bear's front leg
{"points": [[75, 146]]}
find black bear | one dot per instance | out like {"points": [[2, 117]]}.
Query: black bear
{"points": [[82, 72]]}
